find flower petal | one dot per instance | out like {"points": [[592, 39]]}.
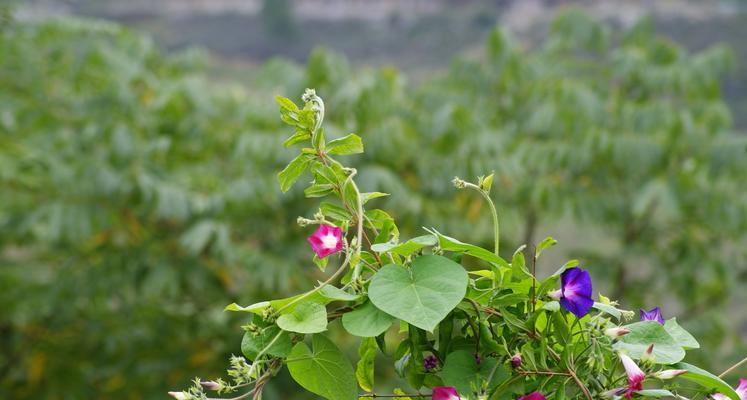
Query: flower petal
{"points": [[445, 393], [533, 396], [653, 315]]}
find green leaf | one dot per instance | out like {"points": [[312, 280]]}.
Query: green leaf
{"points": [[298, 136], [334, 293], [350, 144], [706, 379], [259, 308], [365, 197], [552, 306], [286, 104], [318, 190], [334, 212], [462, 371], [680, 335], [544, 244], [288, 176], [406, 248], [324, 370], [518, 265], [252, 344], [307, 317], [423, 295], [321, 263], [451, 244], [364, 371], [367, 321], [317, 140], [607, 309], [645, 333], [655, 393]]}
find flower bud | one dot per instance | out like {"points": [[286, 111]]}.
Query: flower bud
{"points": [[301, 221], [178, 395], [648, 355], [669, 373], [458, 183], [555, 294], [616, 332], [430, 363], [516, 360]]}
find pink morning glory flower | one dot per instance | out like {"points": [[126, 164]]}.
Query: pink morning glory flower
{"points": [[635, 375], [653, 315], [533, 396], [575, 291], [741, 391], [326, 240], [445, 393]]}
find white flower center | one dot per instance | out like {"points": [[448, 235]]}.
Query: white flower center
{"points": [[329, 241]]}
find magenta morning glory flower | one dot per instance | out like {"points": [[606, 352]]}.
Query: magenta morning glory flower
{"points": [[575, 291], [533, 396], [445, 393], [326, 240], [741, 391], [635, 375], [653, 315]]}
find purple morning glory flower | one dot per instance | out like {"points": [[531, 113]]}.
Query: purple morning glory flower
{"points": [[575, 291], [653, 315], [326, 240]]}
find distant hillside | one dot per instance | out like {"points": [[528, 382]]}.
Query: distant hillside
{"points": [[412, 34]]}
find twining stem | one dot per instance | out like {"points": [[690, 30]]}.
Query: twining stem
{"points": [[374, 395], [733, 367], [493, 212], [331, 279]]}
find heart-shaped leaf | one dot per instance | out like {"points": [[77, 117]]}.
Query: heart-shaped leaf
{"points": [[308, 317], [252, 343], [422, 295], [367, 321], [680, 335], [645, 333], [324, 370]]}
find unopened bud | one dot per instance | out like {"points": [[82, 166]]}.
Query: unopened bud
{"points": [[669, 373], [516, 360], [301, 221], [616, 332], [178, 395], [648, 355], [458, 183], [308, 95], [555, 294]]}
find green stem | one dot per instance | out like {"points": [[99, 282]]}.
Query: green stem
{"points": [[337, 274], [493, 212], [733, 367]]}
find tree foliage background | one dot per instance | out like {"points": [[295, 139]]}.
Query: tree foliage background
{"points": [[139, 194]]}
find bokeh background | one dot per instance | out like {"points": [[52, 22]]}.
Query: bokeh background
{"points": [[139, 142]]}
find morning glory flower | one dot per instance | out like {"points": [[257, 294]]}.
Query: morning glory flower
{"points": [[575, 291], [326, 240], [635, 375], [653, 315], [445, 393], [741, 391], [533, 396]]}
